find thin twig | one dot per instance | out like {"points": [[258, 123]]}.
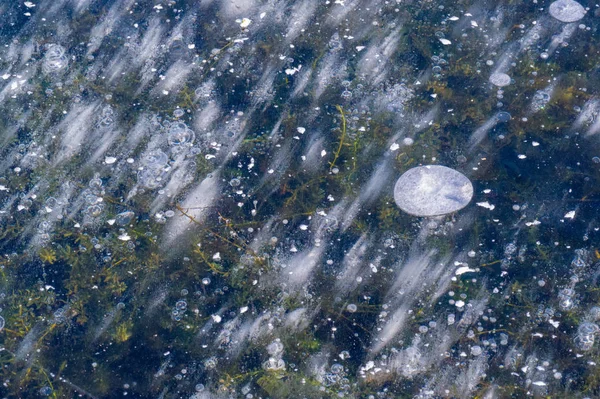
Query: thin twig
{"points": [[337, 153]]}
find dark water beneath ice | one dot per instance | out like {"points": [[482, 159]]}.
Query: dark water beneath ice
{"points": [[197, 199]]}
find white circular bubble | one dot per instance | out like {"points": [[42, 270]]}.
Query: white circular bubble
{"points": [[567, 10], [432, 190], [499, 79]]}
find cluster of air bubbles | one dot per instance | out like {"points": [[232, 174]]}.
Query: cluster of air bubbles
{"points": [[510, 250], [51, 203], [567, 10], [246, 391], [178, 310], [25, 203], [396, 97], [161, 217], [55, 59], [44, 229], [179, 134], [500, 96], [594, 313], [335, 377], [586, 332], [566, 298], [327, 223], [451, 319], [178, 113], [93, 197], [500, 79], [335, 43], [211, 363], [346, 94], [29, 155], [107, 117], [545, 313], [153, 170], [390, 242], [580, 260], [438, 64], [60, 315], [540, 100], [275, 361], [205, 92]]}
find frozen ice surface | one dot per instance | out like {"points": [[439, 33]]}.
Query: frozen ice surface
{"points": [[432, 190], [195, 199]]}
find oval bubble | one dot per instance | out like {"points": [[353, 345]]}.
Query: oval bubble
{"points": [[500, 79], [432, 190], [567, 10]]}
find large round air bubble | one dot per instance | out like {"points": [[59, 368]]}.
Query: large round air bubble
{"points": [[500, 79], [432, 190], [567, 10]]}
